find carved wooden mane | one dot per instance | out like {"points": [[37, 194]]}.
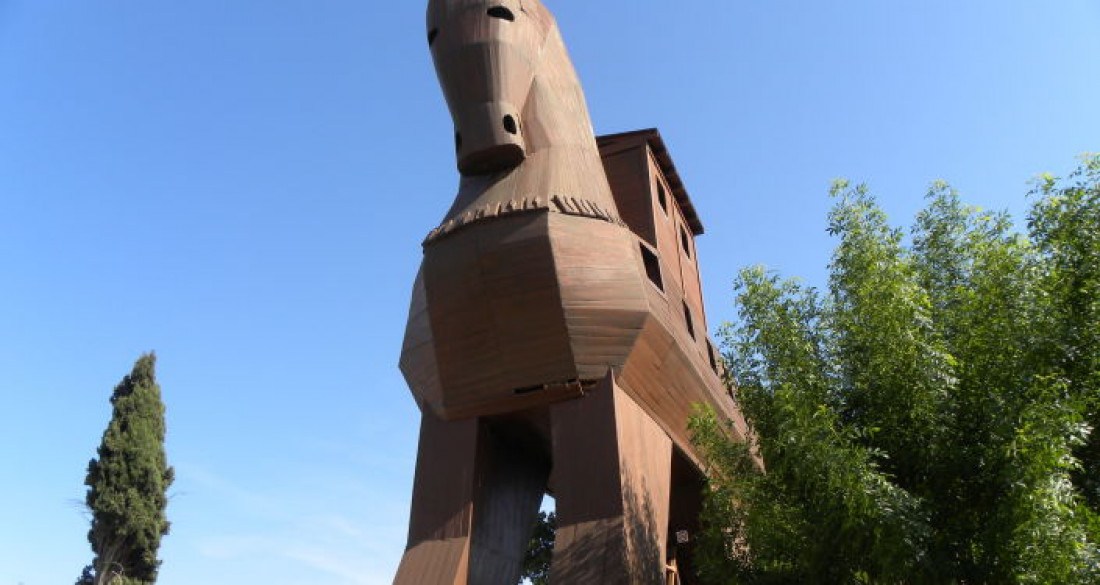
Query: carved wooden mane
{"points": [[523, 136]]}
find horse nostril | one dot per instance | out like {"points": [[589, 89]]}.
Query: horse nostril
{"points": [[431, 36], [458, 140], [510, 125]]}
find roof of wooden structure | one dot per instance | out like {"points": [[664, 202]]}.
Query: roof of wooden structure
{"points": [[652, 137]]}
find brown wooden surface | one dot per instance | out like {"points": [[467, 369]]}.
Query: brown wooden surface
{"points": [[613, 143], [477, 490], [602, 291], [630, 176], [442, 505], [511, 484], [496, 316], [541, 354], [491, 67], [418, 362], [612, 473]]}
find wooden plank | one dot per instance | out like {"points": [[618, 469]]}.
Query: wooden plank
{"points": [[612, 474], [626, 172], [511, 482], [442, 507], [418, 362]]}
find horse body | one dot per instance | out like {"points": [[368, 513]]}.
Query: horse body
{"points": [[540, 356], [512, 276]]}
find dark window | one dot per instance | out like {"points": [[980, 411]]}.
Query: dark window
{"points": [[713, 360], [502, 12], [652, 267], [662, 197], [686, 241], [687, 319]]}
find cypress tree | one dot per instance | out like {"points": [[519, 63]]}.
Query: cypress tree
{"points": [[128, 483]]}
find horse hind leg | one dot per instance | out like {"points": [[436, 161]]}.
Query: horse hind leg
{"points": [[475, 499]]}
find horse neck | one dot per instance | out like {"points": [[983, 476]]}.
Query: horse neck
{"points": [[556, 112]]}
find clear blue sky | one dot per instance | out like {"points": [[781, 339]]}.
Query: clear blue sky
{"points": [[243, 187]]}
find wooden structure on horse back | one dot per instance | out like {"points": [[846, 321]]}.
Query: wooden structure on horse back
{"points": [[556, 338]]}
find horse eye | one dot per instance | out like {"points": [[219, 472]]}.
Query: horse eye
{"points": [[502, 12], [431, 36]]}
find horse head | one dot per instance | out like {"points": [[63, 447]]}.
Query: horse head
{"points": [[523, 136], [486, 53]]}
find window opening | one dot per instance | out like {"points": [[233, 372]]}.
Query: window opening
{"points": [[652, 267], [687, 319], [686, 241], [662, 197]]}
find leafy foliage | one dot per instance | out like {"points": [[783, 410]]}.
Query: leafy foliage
{"points": [[536, 561], [128, 483], [929, 418]]}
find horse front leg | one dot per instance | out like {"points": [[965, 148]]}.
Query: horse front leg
{"points": [[611, 481], [475, 500]]}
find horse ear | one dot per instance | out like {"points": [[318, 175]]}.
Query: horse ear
{"points": [[439, 9], [434, 13]]}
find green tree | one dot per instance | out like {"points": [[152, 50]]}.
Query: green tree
{"points": [[1065, 221], [540, 549], [926, 418], [128, 483]]}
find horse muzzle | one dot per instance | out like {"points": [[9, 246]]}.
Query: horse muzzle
{"points": [[489, 139]]}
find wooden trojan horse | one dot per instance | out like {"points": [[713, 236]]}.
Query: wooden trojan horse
{"points": [[556, 339]]}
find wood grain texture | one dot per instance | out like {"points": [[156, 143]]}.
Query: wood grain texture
{"points": [[442, 506], [490, 68], [539, 350], [612, 472], [611, 144], [418, 363], [511, 483], [476, 493]]}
